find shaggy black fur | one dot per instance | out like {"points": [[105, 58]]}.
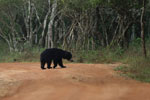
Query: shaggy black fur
{"points": [[55, 55]]}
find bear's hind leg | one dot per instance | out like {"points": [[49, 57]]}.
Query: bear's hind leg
{"points": [[43, 64]]}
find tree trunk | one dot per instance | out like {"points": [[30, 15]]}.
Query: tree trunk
{"points": [[42, 39], [133, 32], [142, 30], [50, 25], [28, 14], [104, 28]]}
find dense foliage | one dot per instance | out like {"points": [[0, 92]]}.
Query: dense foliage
{"points": [[72, 24]]}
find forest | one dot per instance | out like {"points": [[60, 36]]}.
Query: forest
{"points": [[97, 30]]}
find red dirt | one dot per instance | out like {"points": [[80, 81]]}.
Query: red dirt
{"points": [[26, 81]]}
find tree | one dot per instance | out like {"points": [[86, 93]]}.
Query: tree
{"points": [[10, 31], [142, 30]]}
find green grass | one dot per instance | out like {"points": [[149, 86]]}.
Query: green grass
{"points": [[97, 56], [3, 50], [137, 67], [29, 55]]}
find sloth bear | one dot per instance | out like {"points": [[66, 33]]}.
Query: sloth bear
{"points": [[55, 55]]}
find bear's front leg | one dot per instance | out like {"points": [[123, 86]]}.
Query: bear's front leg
{"points": [[61, 63], [55, 63]]}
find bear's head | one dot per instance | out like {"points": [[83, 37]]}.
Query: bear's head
{"points": [[68, 56]]}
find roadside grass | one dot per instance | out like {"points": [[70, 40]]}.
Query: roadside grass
{"points": [[136, 66], [104, 55], [3, 50], [29, 55]]}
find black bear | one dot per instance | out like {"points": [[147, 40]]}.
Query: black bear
{"points": [[55, 55]]}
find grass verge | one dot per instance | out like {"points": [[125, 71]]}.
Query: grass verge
{"points": [[138, 69]]}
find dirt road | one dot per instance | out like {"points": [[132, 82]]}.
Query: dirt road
{"points": [[26, 81]]}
